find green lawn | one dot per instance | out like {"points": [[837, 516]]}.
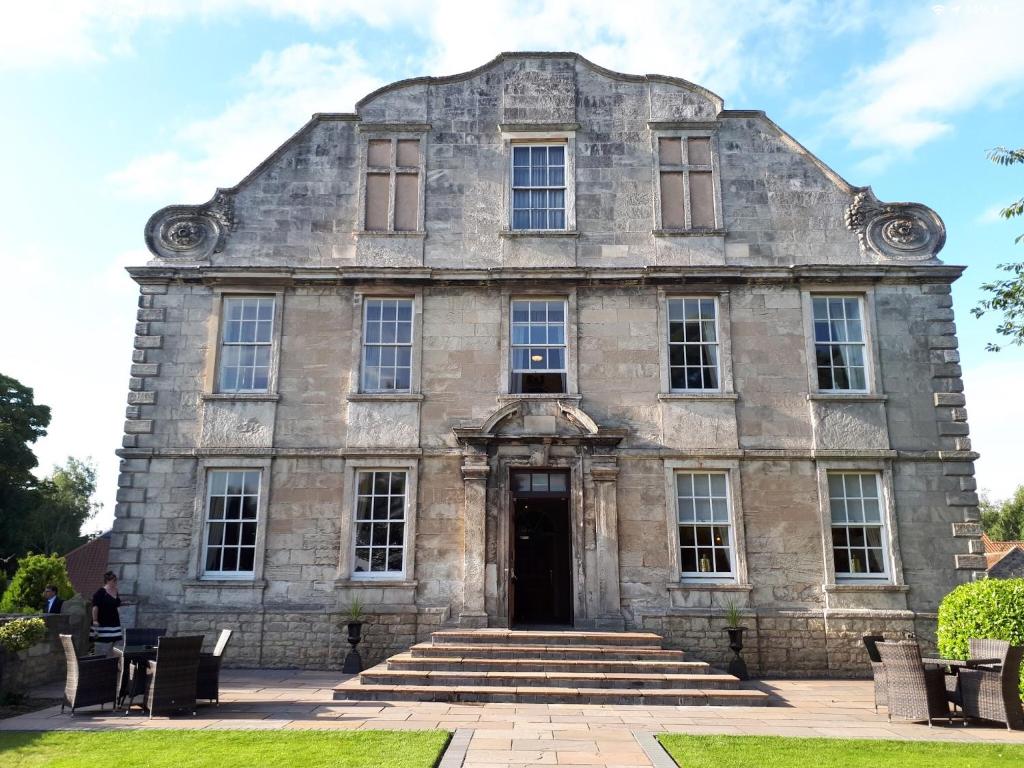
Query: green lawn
{"points": [[780, 751], [223, 749]]}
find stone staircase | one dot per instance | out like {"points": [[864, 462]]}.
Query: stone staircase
{"points": [[539, 667]]}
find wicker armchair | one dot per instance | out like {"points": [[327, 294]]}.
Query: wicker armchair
{"points": [[913, 692], [143, 635], [877, 669], [91, 679], [172, 677], [208, 681], [994, 694], [989, 649]]}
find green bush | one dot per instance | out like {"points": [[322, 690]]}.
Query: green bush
{"points": [[19, 634], [25, 592], [991, 608]]}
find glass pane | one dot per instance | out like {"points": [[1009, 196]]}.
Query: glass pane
{"points": [[394, 559], [245, 559], [521, 156], [558, 483], [396, 534], [213, 559], [875, 563], [684, 484], [839, 537], [842, 561], [230, 561], [722, 560], [362, 563], [686, 511], [701, 485]]}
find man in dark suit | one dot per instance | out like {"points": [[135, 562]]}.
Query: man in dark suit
{"points": [[53, 603]]}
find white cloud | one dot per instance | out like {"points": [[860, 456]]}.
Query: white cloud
{"points": [[993, 403], [941, 63], [279, 94]]}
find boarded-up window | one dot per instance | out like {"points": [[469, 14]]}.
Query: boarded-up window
{"points": [[686, 182], [393, 185], [672, 207], [699, 151], [702, 199], [377, 201], [407, 193]]}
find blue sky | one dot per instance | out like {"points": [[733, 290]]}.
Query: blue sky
{"points": [[114, 109]]}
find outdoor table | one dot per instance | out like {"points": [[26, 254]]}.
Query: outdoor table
{"points": [[132, 673], [955, 665]]}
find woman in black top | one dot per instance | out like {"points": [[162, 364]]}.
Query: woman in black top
{"points": [[106, 622]]}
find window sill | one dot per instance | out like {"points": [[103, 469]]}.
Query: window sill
{"points": [[688, 232], [248, 397], [511, 397], [381, 233], [698, 395], [854, 397], [709, 586], [870, 586], [220, 583], [376, 582], [513, 233], [387, 397]]}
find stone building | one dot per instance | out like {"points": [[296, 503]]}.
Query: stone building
{"points": [[546, 344]]}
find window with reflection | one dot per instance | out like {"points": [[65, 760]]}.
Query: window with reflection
{"points": [[858, 526], [247, 334], [538, 186], [380, 523], [839, 347], [387, 345], [705, 525], [538, 346], [693, 344], [232, 517]]}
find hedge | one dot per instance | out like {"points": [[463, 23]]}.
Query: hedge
{"points": [[990, 608]]}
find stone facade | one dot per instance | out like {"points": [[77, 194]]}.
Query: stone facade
{"points": [[786, 229]]}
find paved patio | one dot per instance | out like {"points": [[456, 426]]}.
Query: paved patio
{"points": [[509, 735]]}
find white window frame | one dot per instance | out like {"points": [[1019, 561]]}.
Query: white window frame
{"points": [[512, 347], [731, 469], [366, 345], [882, 469], [685, 168], [215, 335], [517, 134], [729, 575], [718, 344], [863, 343], [346, 561], [880, 525], [531, 188], [200, 517], [355, 372], [224, 344]]}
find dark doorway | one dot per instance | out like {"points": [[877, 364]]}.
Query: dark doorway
{"points": [[541, 578]]}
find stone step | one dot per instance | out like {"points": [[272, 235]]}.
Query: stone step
{"points": [[406, 661], [381, 675], [516, 651], [354, 691], [554, 637]]}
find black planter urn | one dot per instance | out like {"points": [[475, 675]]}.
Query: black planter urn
{"points": [[737, 666], [353, 661]]}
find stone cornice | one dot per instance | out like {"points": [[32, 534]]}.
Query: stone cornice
{"points": [[677, 276]]}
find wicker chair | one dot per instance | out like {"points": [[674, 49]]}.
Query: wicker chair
{"points": [[91, 679], [143, 635], [913, 692], [208, 681], [989, 649], [172, 677], [877, 669], [994, 694]]}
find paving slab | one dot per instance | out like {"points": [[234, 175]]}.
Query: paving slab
{"points": [[508, 735]]}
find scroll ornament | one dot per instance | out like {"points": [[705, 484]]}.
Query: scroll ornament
{"points": [[192, 232], [898, 231]]}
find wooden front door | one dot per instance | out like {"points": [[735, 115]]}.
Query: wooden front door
{"points": [[541, 577]]}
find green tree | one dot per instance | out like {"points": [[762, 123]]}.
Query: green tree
{"points": [[1004, 520], [1007, 295], [25, 592], [22, 422], [62, 504]]}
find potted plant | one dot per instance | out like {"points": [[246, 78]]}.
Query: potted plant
{"points": [[353, 619], [737, 666]]}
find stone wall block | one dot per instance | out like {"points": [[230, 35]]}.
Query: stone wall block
{"points": [[142, 398], [138, 426], [972, 562], [149, 342], [146, 369], [962, 499], [151, 315], [950, 399], [153, 290]]}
